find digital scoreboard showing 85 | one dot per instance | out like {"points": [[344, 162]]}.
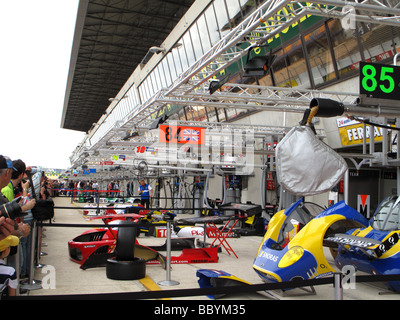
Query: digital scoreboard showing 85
{"points": [[380, 81]]}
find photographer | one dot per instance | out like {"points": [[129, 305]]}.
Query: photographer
{"points": [[17, 187]]}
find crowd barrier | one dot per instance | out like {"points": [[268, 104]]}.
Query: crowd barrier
{"points": [[335, 280], [97, 195], [119, 193]]}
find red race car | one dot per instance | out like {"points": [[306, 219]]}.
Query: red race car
{"points": [[94, 247]]}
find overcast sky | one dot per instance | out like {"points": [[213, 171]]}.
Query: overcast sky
{"points": [[35, 50]]}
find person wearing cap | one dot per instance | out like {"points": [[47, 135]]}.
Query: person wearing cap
{"points": [[21, 229], [6, 169], [17, 175], [6, 224], [8, 275]]}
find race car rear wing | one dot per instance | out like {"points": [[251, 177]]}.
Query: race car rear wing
{"points": [[371, 247]]}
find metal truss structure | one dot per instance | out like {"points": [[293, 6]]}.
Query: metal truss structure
{"points": [[267, 21]]}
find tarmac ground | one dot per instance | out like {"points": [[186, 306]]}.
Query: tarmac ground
{"points": [[61, 276]]}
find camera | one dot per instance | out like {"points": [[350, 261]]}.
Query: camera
{"points": [[32, 171], [11, 209]]}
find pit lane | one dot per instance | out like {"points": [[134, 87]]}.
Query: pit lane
{"points": [[71, 280]]}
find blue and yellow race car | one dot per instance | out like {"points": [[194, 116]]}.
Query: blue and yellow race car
{"points": [[374, 249], [292, 247]]}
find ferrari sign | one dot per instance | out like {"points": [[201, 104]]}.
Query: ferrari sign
{"points": [[352, 133], [181, 134]]}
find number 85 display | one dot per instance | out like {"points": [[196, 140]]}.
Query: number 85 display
{"points": [[380, 81]]}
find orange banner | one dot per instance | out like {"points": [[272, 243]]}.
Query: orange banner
{"points": [[181, 134]]}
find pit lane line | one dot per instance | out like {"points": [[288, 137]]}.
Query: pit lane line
{"points": [[150, 285]]}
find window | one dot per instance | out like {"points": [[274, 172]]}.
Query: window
{"points": [[194, 34], [172, 67], [221, 114], [177, 61], [233, 8], [222, 17], [145, 92], [161, 74], [212, 114], [167, 72], [319, 55], [345, 47], [283, 77], [196, 113], [155, 79], [182, 114], [187, 43], [212, 24], [181, 52], [378, 41], [204, 34], [387, 217], [231, 113]]}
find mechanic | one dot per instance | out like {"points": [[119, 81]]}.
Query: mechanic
{"points": [[146, 192]]}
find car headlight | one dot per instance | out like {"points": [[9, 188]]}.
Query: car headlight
{"points": [[290, 257]]}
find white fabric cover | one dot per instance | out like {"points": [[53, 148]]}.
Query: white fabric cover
{"points": [[305, 165]]}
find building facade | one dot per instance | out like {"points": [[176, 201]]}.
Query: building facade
{"points": [[250, 50]]}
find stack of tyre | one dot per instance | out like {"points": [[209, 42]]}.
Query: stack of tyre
{"points": [[125, 266]]}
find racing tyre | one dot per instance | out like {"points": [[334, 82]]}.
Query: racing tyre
{"points": [[126, 270], [126, 238]]}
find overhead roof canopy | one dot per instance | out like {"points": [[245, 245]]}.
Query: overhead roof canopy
{"points": [[111, 39]]}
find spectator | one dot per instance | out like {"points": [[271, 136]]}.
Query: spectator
{"points": [[8, 274], [15, 188], [71, 187], [95, 188], [129, 189], [7, 172], [7, 225], [44, 190], [116, 189], [6, 169], [16, 183]]}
